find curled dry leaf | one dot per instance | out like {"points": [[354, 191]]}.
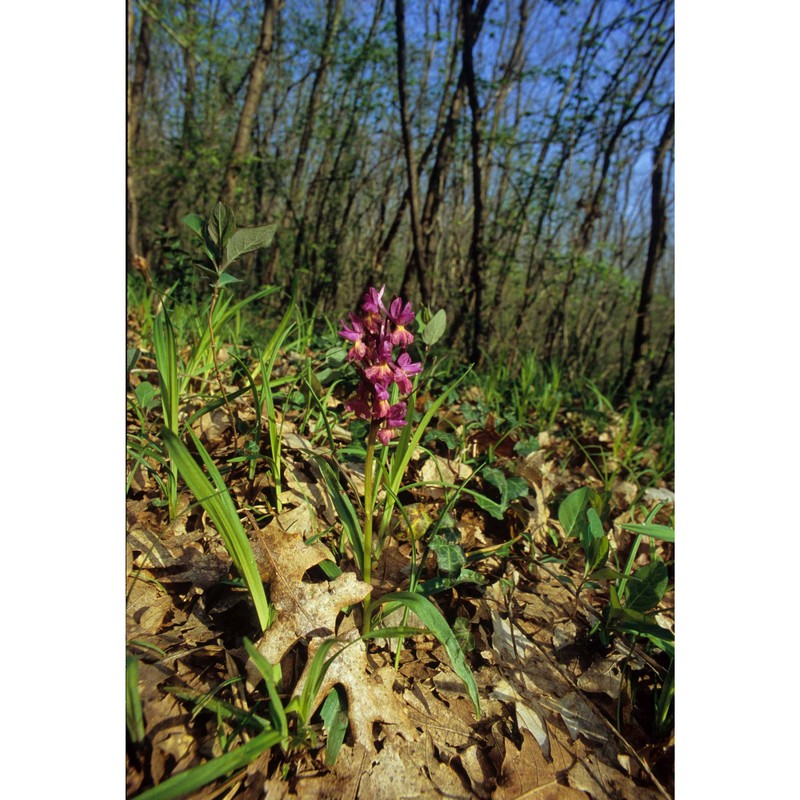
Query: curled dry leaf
{"points": [[310, 489]]}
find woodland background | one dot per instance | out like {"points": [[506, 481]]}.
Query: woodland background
{"points": [[730, 100], [510, 161]]}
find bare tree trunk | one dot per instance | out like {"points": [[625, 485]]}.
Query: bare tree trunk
{"points": [[578, 72], [252, 100], [411, 164], [473, 21], [188, 152], [658, 374], [655, 249], [135, 99], [633, 101], [294, 214]]}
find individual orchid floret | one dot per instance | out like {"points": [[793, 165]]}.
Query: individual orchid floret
{"points": [[381, 406], [382, 371], [355, 335], [404, 368], [401, 316], [360, 405], [396, 418], [373, 309]]}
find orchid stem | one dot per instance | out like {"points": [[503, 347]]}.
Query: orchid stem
{"points": [[369, 506]]}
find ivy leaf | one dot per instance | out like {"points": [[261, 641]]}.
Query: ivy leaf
{"points": [[516, 487], [145, 393], [446, 437], [450, 557], [462, 632], [441, 583], [498, 480], [487, 504]]}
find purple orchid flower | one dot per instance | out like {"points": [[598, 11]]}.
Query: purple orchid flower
{"points": [[374, 334], [373, 309]]}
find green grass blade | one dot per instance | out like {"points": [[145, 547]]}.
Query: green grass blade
{"points": [[278, 337], [167, 366], [303, 704], [191, 780], [272, 419], [268, 673], [334, 716], [652, 529], [133, 701], [200, 360], [437, 624], [227, 711], [344, 508], [217, 502]]}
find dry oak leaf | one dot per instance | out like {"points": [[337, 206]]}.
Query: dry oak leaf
{"points": [[302, 610], [370, 698], [308, 611]]}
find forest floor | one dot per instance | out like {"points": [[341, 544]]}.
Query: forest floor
{"points": [[562, 716]]}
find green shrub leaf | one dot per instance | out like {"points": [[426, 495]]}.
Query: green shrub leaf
{"points": [[434, 330], [221, 226], [646, 586], [570, 512], [245, 240]]}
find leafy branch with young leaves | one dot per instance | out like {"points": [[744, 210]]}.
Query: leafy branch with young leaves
{"points": [[223, 243]]}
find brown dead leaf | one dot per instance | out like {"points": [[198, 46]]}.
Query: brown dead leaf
{"points": [[527, 773], [370, 698], [440, 470], [309, 487], [623, 492], [212, 425], [178, 560], [603, 782], [604, 675]]}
